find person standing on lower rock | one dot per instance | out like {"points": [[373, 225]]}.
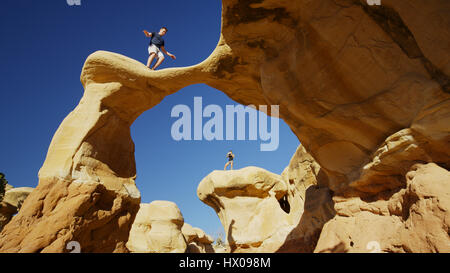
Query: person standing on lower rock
{"points": [[230, 156]]}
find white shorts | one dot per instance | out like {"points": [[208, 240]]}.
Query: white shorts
{"points": [[154, 49]]}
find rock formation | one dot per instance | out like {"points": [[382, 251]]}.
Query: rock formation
{"points": [[198, 241], [265, 212], [246, 201], [8, 187], [157, 229], [364, 88], [414, 219], [309, 201], [12, 202]]}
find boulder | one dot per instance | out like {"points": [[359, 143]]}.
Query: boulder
{"points": [[12, 202], [198, 241], [16, 196], [246, 202], [157, 229]]}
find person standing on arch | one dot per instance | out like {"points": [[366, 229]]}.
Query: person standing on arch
{"points": [[156, 48], [230, 156]]}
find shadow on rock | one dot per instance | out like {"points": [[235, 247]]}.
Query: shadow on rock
{"points": [[318, 209]]}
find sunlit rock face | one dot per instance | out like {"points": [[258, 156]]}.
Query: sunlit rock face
{"points": [[414, 219], [364, 88], [246, 202], [198, 241], [157, 229], [262, 212], [11, 202]]}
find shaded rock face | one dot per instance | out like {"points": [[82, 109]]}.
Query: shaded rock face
{"points": [[364, 88], [12, 202], [157, 229], [310, 202]]}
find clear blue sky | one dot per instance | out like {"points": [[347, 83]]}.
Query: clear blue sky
{"points": [[43, 47]]}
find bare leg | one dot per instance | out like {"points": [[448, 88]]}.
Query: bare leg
{"points": [[231, 165], [150, 59], [226, 165], [158, 63]]}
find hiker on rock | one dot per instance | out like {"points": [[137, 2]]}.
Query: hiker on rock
{"points": [[156, 48], [230, 156]]}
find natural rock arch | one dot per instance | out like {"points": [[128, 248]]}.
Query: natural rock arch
{"points": [[346, 77]]}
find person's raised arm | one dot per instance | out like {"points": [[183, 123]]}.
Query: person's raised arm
{"points": [[147, 33], [168, 54]]}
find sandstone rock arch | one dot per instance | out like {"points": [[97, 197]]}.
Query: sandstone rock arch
{"points": [[346, 76]]}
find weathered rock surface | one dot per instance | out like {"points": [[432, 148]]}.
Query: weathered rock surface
{"points": [[198, 241], [389, 219], [414, 219], [265, 212], [309, 200], [411, 218], [157, 229], [345, 74], [16, 196], [12, 202], [246, 202], [58, 212]]}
